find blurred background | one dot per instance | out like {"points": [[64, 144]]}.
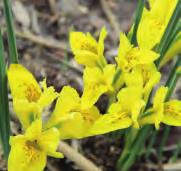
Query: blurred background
{"points": [[42, 31]]}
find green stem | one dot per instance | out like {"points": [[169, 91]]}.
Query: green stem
{"points": [[138, 16], [173, 78], [163, 142], [10, 31], [151, 143], [4, 106], [129, 160], [176, 152]]}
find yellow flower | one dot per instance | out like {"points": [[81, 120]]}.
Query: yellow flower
{"points": [[96, 83], [146, 76], [28, 99], [158, 108], [130, 57], [69, 117], [172, 113], [174, 50], [87, 50], [154, 22], [130, 98], [121, 114], [115, 119], [29, 151], [166, 112]]}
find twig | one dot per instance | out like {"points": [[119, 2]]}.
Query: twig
{"points": [[45, 41], [82, 162], [112, 19], [172, 167]]}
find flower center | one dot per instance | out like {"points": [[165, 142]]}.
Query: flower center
{"points": [[87, 46], [32, 150], [32, 93]]}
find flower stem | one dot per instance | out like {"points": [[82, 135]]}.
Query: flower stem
{"points": [[10, 32], [4, 105], [176, 152], [173, 78]]}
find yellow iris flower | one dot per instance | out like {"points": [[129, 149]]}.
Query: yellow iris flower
{"points": [[130, 57], [131, 100], [146, 76], [96, 83], [69, 117], [166, 112], [28, 98], [115, 119], [154, 22], [87, 50], [121, 114], [29, 151]]}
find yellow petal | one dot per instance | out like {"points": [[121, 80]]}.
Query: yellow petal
{"points": [[172, 113], [81, 41], [136, 112], [110, 122], [158, 104], [22, 83], [94, 86], [150, 119], [87, 50], [102, 37], [34, 130], [124, 47], [109, 71], [26, 112], [68, 100], [86, 58], [24, 157], [133, 78], [127, 97], [151, 76], [159, 97], [49, 141], [48, 95], [74, 127]]}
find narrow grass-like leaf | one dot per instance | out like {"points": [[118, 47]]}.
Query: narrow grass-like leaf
{"points": [[151, 144], [176, 152], [138, 16], [173, 78], [4, 106], [10, 32]]}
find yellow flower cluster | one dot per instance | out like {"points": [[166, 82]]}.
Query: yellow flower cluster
{"points": [[128, 83]]}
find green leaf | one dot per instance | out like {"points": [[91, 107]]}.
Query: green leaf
{"points": [[10, 32], [138, 16], [4, 105]]}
